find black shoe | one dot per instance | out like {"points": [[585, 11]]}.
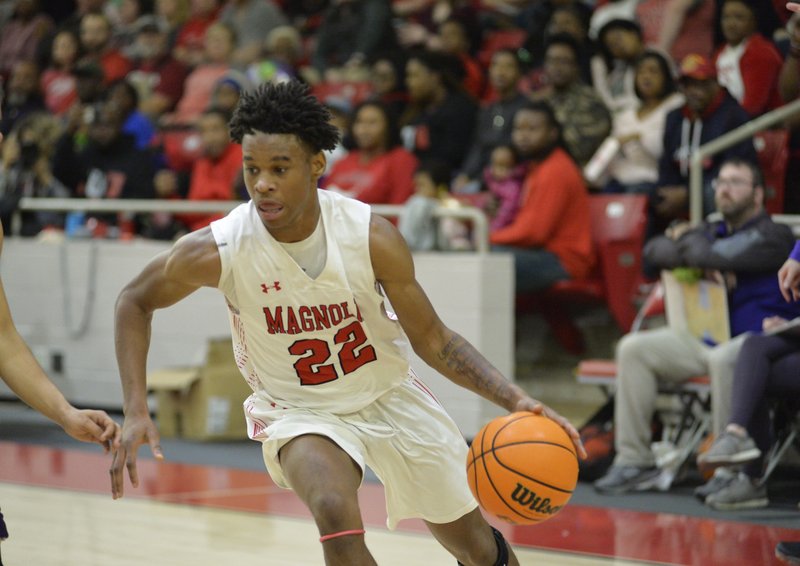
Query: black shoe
{"points": [[721, 479], [789, 552], [622, 479]]}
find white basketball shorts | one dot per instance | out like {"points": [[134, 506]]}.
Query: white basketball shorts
{"points": [[405, 437]]}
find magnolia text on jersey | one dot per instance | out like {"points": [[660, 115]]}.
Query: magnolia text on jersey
{"points": [[294, 320]]}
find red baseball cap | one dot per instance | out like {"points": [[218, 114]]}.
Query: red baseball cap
{"points": [[695, 66]]}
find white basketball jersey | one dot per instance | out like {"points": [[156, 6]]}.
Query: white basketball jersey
{"points": [[325, 343]]}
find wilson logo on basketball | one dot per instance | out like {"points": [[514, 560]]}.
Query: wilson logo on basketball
{"points": [[522, 468], [529, 499]]}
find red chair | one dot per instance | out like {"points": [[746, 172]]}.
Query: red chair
{"points": [[618, 227], [772, 147]]}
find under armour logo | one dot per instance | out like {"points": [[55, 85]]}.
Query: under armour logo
{"points": [[276, 285]]}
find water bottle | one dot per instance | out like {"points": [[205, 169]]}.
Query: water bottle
{"points": [[73, 224]]}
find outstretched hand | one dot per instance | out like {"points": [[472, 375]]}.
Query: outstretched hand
{"points": [[793, 6], [539, 408], [89, 425], [136, 430]]}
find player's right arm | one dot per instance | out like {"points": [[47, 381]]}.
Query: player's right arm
{"points": [[193, 262]]}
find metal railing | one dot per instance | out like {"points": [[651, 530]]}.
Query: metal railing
{"points": [[724, 142], [480, 224]]}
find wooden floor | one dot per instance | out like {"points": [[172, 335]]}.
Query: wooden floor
{"points": [[59, 513]]}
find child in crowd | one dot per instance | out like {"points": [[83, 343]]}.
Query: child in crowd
{"points": [[503, 178], [417, 223]]}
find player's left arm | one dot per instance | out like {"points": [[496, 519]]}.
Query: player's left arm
{"points": [[440, 347], [26, 378]]}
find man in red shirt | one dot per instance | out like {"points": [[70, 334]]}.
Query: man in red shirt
{"points": [[550, 237], [217, 175]]}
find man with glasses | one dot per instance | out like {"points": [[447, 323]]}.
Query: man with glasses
{"points": [[743, 249]]}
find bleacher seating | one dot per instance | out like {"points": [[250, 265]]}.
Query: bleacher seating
{"points": [[618, 226]]}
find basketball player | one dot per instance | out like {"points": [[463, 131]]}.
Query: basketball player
{"points": [[304, 273]]}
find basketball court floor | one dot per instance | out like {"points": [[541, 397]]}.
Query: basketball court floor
{"points": [[56, 503]]}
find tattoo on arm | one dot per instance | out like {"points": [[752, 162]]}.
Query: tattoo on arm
{"points": [[461, 357]]}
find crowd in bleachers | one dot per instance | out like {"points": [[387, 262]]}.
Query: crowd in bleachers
{"points": [[523, 109], [119, 90]]}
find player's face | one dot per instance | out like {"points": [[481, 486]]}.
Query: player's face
{"points": [[281, 176]]}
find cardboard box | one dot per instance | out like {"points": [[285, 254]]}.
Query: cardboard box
{"points": [[205, 402]]}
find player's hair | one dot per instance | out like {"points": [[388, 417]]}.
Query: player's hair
{"points": [[284, 108]]}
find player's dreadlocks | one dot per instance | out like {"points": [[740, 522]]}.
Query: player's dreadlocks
{"points": [[284, 108]]}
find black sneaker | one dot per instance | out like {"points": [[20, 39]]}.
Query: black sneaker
{"points": [[721, 479], [789, 552], [622, 479]]}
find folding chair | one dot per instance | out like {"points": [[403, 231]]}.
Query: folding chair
{"points": [[786, 422], [686, 420]]}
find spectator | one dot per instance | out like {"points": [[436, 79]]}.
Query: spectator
{"points": [[350, 34], [341, 113], [378, 170], [125, 18], [416, 21], [217, 175], [495, 119], [766, 368], [504, 177], [454, 38], [189, 43], [417, 223], [228, 90], [123, 95], [22, 34], [109, 165], [638, 133], [748, 64], [26, 172], [708, 113], [157, 76], [536, 20], [611, 10], [58, 82], [280, 59], [621, 45], [199, 85], [746, 247], [550, 236], [89, 92], [585, 120], [570, 19], [251, 21], [388, 83], [96, 46], [440, 118], [23, 96], [172, 14]]}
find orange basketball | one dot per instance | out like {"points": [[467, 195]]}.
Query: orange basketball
{"points": [[522, 468]]}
